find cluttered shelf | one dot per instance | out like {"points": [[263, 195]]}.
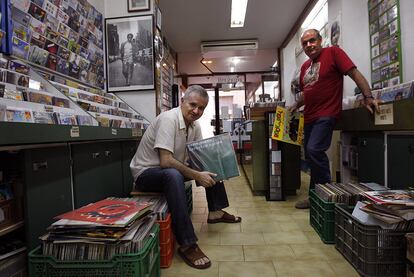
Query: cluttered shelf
{"points": [[10, 228]]}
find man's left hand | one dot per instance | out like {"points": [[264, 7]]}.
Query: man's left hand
{"points": [[371, 103]]}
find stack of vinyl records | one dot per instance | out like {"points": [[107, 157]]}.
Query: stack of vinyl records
{"points": [[158, 204], [99, 230], [349, 193], [394, 208]]}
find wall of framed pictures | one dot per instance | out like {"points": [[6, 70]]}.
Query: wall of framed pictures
{"points": [[385, 41], [64, 36]]}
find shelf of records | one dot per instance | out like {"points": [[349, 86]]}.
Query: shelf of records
{"points": [[107, 108], [26, 97], [384, 95]]}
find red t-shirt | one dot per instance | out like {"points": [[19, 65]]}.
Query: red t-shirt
{"points": [[322, 81]]}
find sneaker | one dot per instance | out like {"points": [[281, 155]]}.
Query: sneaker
{"points": [[303, 204]]}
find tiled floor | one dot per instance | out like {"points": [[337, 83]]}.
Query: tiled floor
{"points": [[274, 239]]}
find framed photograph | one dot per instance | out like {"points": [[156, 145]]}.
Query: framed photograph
{"points": [[158, 18], [129, 48], [138, 5]]}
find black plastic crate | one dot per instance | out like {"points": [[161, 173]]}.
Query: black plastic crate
{"points": [[373, 251]]}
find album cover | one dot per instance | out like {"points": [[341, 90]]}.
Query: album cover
{"points": [[63, 29], [63, 66], [51, 35], [60, 102], [37, 26], [51, 62], [43, 117], [21, 32], [51, 47], [50, 8], [84, 120], [38, 2], [83, 9], [74, 70], [20, 48], [13, 94], [83, 31], [19, 67], [37, 12], [21, 4], [11, 77], [73, 22], [41, 98], [72, 45], [103, 121], [14, 114], [23, 80], [63, 53], [3, 76], [115, 123], [51, 22], [37, 40], [20, 16], [38, 55], [288, 127], [65, 118], [62, 41], [62, 16]]}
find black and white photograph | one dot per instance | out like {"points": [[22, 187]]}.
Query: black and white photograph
{"points": [[129, 59], [138, 5]]}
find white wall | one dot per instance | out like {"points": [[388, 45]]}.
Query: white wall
{"points": [[141, 101], [407, 38]]}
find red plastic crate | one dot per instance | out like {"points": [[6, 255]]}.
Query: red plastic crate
{"points": [[167, 241]]}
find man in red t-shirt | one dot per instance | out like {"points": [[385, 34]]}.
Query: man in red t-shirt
{"points": [[321, 83]]}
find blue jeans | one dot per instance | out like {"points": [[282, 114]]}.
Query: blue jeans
{"points": [[318, 136], [171, 182]]}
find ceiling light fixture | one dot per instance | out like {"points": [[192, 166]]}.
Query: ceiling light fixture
{"points": [[238, 13]]}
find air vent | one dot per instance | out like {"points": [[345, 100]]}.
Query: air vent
{"points": [[229, 45]]}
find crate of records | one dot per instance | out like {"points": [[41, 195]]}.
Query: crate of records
{"points": [[371, 235], [322, 204], [111, 237], [26, 97]]}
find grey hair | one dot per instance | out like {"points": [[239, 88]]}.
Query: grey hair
{"points": [[313, 30], [196, 89]]}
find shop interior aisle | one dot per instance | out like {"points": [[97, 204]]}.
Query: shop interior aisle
{"points": [[274, 239]]}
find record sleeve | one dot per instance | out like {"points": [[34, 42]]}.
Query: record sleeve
{"points": [[37, 26], [23, 80], [14, 114], [216, 155], [38, 55], [21, 32], [43, 117], [20, 48], [20, 16], [51, 22], [51, 62], [19, 67], [37, 40], [84, 120], [39, 98], [288, 127], [11, 77], [60, 102], [65, 118], [63, 66], [51, 35], [37, 12]]}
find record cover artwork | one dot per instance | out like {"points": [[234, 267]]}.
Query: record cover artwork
{"points": [[288, 127], [38, 56], [43, 117], [39, 98], [38, 40], [19, 67], [20, 16], [19, 115], [60, 102], [51, 47], [51, 35], [63, 66], [21, 32], [105, 211], [37, 12], [20, 48], [51, 62]]}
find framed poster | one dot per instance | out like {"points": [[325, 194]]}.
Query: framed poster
{"points": [[385, 38], [129, 48], [138, 5]]}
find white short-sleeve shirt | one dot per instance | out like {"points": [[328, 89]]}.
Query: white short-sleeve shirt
{"points": [[167, 131]]}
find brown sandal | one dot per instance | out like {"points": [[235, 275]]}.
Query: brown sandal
{"points": [[193, 254], [225, 218]]}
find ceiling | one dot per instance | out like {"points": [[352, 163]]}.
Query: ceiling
{"points": [[186, 23]]}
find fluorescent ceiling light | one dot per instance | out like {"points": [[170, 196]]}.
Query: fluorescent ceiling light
{"points": [[238, 13]]}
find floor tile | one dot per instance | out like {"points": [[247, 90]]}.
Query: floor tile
{"points": [[303, 268], [241, 239], [246, 269], [268, 252]]}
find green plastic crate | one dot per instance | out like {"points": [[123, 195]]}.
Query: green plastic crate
{"points": [[145, 263], [189, 195], [322, 217]]}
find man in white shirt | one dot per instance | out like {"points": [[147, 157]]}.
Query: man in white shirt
{"points": [[160, 165], [127, 57]]}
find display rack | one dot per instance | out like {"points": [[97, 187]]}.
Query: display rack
{"points": [[26, 97]]}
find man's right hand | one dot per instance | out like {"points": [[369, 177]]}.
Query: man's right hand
{"points": [[292, 108], [205, 179]]}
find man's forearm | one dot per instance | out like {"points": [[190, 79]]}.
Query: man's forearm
{"points": [[361, 82], [185, 170]]}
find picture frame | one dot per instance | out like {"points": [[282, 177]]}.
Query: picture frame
{"points": [[130, 53], [158, 18], [138, 5]]}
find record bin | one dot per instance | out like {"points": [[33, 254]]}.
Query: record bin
{"points": [[145, 263], [189, 195], [372, 251], [322, 217], [167, 242]]}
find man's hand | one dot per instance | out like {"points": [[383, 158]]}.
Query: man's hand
{"points": [[370, 103], [292, 108], [205, 179]]}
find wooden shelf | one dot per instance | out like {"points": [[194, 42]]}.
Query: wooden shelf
{"points": [[10, 228]]}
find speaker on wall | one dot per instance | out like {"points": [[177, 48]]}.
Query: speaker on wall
{"points": [[175, 96]]}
